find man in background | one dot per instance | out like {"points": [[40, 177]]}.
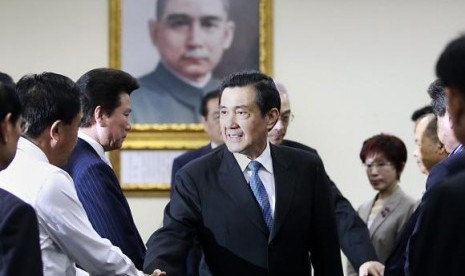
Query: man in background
{"points": [[191, 36], [210, 120], [438, 247], [397, 263], [104, 126], [353, 234], [428, 148], [19, 232]]}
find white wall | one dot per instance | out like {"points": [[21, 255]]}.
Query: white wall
{"points": [[353, 68]]}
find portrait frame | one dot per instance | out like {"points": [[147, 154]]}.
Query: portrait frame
{"points": [[164, 138]]}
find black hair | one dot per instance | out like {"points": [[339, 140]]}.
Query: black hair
{"points": [[450, 67], [215, 94], [266, 93], [103, 87], [425, 110], [46, 98]]}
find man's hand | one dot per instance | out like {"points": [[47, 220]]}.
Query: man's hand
{"points": [[371, 268], [158, 272]]}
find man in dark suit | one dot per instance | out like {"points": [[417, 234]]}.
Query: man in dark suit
{"points": [[353, 233], [396, 263], [437, 246], [259, 217], [210, 121], [19, 233], [104, 126]]}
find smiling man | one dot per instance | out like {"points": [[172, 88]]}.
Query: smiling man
{"points": [[191, 36], [256, 209]]}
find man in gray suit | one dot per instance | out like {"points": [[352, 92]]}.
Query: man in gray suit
{"points": [[191, 36]]}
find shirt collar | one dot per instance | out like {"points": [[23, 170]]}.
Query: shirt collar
{"points": [[264, 159], [95, 145], [32, 150]]}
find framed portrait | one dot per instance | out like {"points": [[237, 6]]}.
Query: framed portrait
{"points": [[178, 53]]}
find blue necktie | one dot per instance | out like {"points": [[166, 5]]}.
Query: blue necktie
{"points": [[260, 193]]}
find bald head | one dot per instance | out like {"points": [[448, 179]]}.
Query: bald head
{"points": [[428, 150]]}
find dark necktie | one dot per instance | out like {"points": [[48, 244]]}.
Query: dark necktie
{"points": [[260, 194]]}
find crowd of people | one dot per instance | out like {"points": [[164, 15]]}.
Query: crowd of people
{"points": [[250, 202]]}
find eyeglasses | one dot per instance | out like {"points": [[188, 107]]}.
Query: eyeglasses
{"points": [[286, 118], [377, 165]]}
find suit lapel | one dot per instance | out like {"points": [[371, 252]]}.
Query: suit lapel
{"points": [[386, 211], [284, 185], [232, 181]]}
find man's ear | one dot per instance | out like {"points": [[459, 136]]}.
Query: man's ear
{"points": [[100, 117], [229, 34], [272, 118], [56, 131], [441, 149], [5, 126]]}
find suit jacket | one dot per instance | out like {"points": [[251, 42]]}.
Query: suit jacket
{"points": [[186, 157], [438, 247], [19, 237], [164, 98], [101, 196], [353, 233], [387, 226], [449, 166], [211, 199]]}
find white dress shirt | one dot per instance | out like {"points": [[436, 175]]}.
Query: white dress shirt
{"points": [[66, 235], [265, 173], [96, 146]]}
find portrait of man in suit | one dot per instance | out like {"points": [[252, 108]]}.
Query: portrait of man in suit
{"points": [[255, 208], [194, 44]]}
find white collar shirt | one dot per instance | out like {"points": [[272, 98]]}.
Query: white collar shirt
{"points": [[265, 172], [95, 145], [66, 235]]}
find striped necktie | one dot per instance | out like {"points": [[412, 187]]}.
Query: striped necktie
{"points": [[260, 194]]}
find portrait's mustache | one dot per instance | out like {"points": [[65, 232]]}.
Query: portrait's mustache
{"points": [[196, 53]]}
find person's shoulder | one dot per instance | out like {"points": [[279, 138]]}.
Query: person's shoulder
{"points": [[192, 154], [209, 160], [297, 145], [10, 201], [281, 152]]}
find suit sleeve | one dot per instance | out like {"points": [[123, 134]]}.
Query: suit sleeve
{"points": [[19, 243], [167, 248], [108, 211], [324, 246], [175, 169], [353, 234], [433, 247]]}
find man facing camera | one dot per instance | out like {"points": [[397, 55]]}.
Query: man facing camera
{"points": [[256, 209], [104, 126], [191, 36]]}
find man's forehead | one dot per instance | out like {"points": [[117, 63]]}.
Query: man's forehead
{"points": [[195, 8]]}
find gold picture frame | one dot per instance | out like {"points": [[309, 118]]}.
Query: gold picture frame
{"points": [[167, 140]]}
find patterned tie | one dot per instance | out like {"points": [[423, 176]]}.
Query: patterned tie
{"points": [[260, 193]]}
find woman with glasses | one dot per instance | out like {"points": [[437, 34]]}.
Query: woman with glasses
{"points": [[384, 157]]}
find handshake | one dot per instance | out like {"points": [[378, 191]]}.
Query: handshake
{"points": [[157, 272]]}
